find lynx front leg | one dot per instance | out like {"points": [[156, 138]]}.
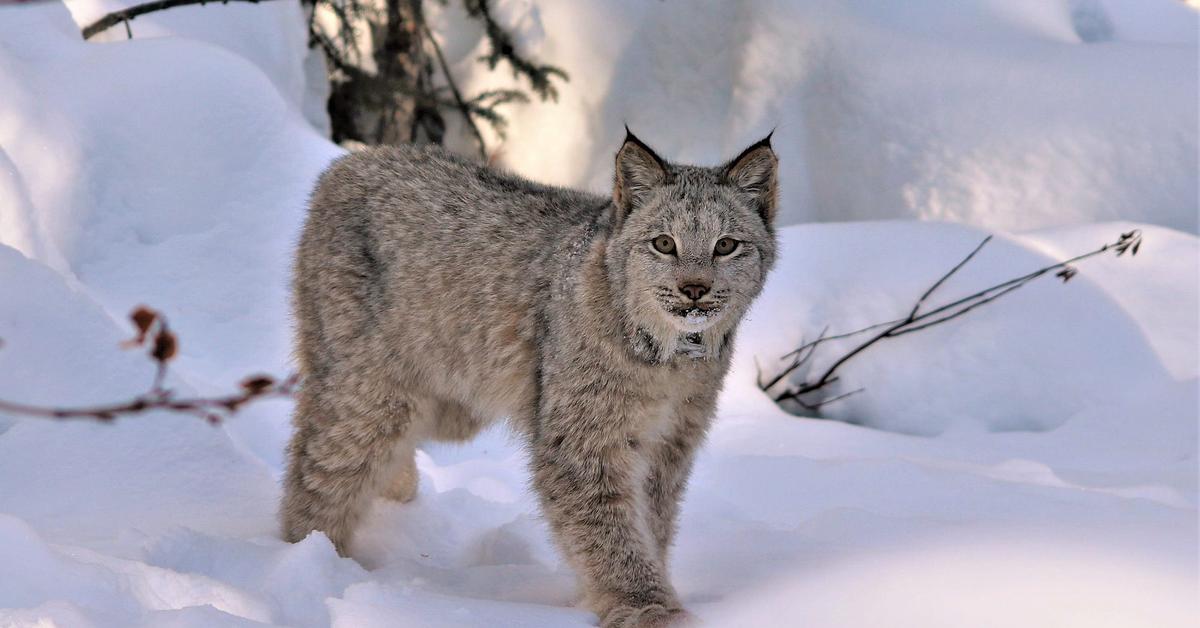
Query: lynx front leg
{"points": [[671, 465], [590, 481]]}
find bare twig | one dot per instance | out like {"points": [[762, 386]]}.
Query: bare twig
{"points": [[824, 402], [848, 334], [213, 409], [937, 284], [460, 103], [125, 15], [916, 320], [162, 344], [802, 356]]}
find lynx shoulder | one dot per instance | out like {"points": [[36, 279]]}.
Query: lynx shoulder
{"points": [[433, 296]]}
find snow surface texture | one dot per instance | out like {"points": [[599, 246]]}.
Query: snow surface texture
{"points": [[1033, 464], [1009, 114]]}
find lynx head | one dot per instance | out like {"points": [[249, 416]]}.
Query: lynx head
{"points": [[690, 246]]}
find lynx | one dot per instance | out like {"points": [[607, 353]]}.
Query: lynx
{"points": [[434, 296]]}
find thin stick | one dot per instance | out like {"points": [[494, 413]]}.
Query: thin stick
{"points": [[463, 108], [916, 321], [837, 337], [909, 330], [153, 332], [1024, 279], [816, 407], [210, 408], [116, 17], [801, 358], [937, 284]]}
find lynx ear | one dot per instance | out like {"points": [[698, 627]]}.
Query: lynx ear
{"points": [[756, 171], [639, 171]]}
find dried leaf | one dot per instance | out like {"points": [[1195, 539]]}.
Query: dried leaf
{"points": [[256, 384], [165, 346], [143, 317]]}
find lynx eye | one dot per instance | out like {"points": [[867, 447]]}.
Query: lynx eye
{"points": [[664, 244], [725, 246]]}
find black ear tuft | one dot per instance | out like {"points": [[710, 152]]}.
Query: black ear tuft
{"points": [[630, 138], [756, 171], [763, 143]]}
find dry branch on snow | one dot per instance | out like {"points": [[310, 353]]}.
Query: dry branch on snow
{"points": [[807, 395], [162, 346]]}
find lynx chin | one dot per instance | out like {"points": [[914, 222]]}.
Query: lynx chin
{"points": [[434, 296]]}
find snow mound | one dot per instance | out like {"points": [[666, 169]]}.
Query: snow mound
{"points": [[1024, 362], [61, 349], [270, 35], [1006, 115], [121, 192]]}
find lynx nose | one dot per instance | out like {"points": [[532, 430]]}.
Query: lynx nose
{"points": [[694, 290]]}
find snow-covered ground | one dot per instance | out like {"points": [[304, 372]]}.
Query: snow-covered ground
{"points": [[1031, 464]]}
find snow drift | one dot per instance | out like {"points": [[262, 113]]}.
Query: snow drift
{"points": [[1054, 475], [1007, 115]]}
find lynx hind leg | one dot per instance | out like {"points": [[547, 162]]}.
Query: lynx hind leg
{"points": [[339, 457]]}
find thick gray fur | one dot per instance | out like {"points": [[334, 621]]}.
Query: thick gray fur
{"points": [[434, 296]]}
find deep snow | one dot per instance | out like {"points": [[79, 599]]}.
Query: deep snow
{"points": [[1002, 113], [1033, 463]]}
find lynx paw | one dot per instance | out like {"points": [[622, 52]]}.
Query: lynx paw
{"points": [[652, 616]]}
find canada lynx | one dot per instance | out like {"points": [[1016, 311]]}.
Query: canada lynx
{"points": [[434, 296]]}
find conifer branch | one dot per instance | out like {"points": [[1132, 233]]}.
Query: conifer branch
{"points": [[503, 48]]}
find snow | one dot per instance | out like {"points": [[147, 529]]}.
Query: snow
{"points": [[1032, 463], [874, 272], [270, 35], [999, 113]]}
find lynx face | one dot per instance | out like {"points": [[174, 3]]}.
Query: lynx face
{"points": [[693, 245]]}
